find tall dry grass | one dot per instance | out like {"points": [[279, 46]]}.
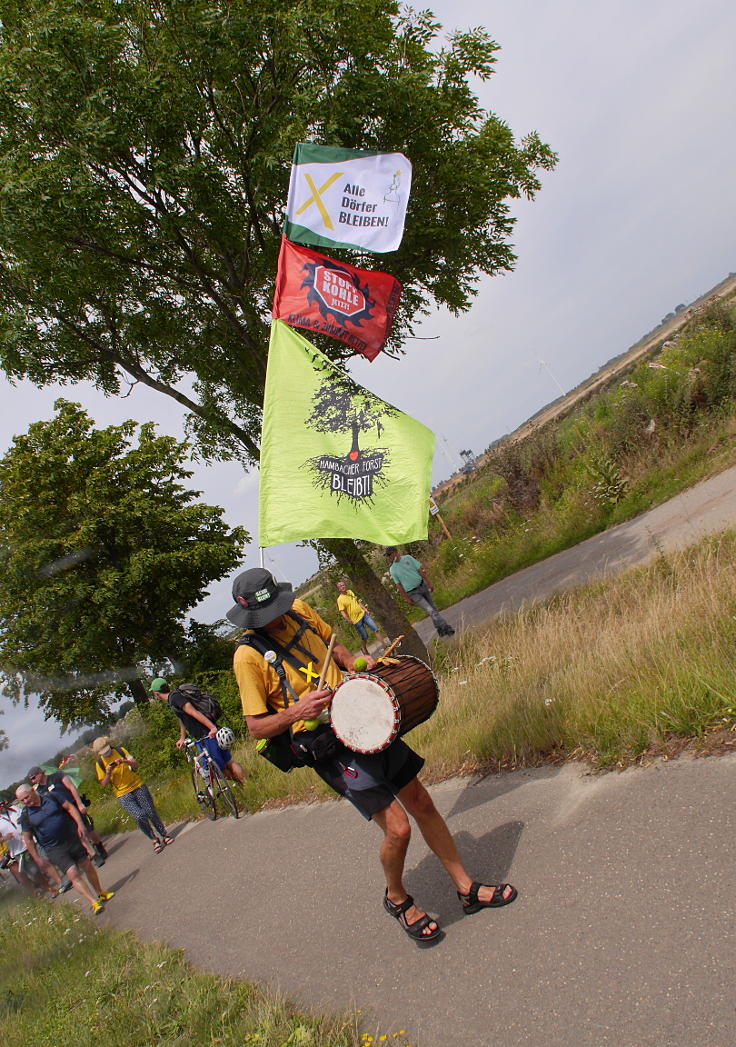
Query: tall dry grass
{"points": [[605, 671]]}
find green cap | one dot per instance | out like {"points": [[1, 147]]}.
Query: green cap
{"points": [[157, 685]]}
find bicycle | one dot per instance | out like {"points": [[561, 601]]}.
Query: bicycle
{"points": [[209, 783]]}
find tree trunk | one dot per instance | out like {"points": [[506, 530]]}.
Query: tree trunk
{"points": [[354, 453], [382, 604], [139, 692]]}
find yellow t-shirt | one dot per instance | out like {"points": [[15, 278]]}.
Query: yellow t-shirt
{"points": [[348, 602], [258, 682], [122, 778]]}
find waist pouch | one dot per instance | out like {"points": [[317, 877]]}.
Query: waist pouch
{"points": [[318, 746], [281, 752]]}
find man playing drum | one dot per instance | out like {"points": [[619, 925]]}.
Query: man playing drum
{"points": [[275, 665]]}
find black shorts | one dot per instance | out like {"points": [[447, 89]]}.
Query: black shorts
{"points": [[65, 855], [371, 781]]}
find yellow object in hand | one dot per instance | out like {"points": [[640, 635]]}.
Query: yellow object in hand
{"points": [[360, 665], [311, 725]]}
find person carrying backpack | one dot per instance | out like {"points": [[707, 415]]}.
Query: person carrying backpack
{"points": [[198, 713], [115, 766]]}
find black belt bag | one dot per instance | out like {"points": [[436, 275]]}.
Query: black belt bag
{"points": [[281, 752], [318, 746]]}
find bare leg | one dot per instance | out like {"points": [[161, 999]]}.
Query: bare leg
{"points": [[75, 875], [235, 772], [433, 828], [51, 873], [91, 873], [24, 881], [396, 835]]}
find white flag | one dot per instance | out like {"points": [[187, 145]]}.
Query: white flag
{"points": [[347, 198]]}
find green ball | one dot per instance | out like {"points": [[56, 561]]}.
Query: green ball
{"points": [[311, 725], [360, 665]]}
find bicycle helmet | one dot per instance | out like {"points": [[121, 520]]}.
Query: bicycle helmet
{"points": [[224, 737]]}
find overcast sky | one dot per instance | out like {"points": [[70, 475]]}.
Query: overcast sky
{"points": [[637, 98]]}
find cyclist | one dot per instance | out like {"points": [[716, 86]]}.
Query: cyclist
{"points": [[200, 728]]}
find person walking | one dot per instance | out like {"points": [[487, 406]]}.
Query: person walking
{"points": [[62, 786], [15, 859], [116, 767], [283, 649], [411, 580], [58, 827], [356, 614]]}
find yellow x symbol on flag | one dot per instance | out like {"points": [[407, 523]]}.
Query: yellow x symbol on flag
{"points": [[315, 197], [310, 675]]}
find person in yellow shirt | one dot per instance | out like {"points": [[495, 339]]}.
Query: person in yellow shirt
{"points": [[276, 662], [116, 767], [357, 615]]}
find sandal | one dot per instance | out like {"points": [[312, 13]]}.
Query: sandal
{"points": [[472, 903], [414, 930], [166, 840], [158, 846]]}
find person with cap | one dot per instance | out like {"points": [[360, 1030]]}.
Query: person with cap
{"points": [[355, 614], [411, 579], [64, 789], [58, 827], [17, 852], [283, 649], [116, 767], [200, 727]]}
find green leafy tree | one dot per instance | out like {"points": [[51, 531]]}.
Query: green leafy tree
{"points": [[104, 551], [145, 150]]}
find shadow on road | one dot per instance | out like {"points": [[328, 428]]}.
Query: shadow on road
{"points": [[488, 858], [122, 881], [490, 787]]}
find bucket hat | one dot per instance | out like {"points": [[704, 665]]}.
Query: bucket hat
{"points": [[259, 598]]}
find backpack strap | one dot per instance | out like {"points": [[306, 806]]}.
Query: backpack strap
{"points": [[302, 627], [101, 765], [265, 645]]}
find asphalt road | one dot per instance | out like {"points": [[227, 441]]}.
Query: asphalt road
{"points": [[623, 934], [705, 509]]}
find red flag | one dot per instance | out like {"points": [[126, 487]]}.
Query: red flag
{"points": [[356, 306]]}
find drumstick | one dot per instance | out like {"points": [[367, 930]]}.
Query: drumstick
{"points": [[388, 650], [328, 659]]}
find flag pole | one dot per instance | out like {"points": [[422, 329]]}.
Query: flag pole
{"points": [[261, 551]]}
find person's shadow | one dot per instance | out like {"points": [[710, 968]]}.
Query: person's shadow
{"points": [[487, 859]]}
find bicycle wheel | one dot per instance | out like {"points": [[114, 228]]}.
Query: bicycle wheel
{"points": [[204, 794], [222, 789]]}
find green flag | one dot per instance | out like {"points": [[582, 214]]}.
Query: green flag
{"points": [[336, 461]]}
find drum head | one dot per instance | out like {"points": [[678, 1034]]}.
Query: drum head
{"points": [[364, 714]]}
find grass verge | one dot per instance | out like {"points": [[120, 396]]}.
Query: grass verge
{"points": [[65, 980]]}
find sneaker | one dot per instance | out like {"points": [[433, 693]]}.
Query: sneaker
{"points": [[105, 896], [64, 886], [98, 860], [98, 907]]}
